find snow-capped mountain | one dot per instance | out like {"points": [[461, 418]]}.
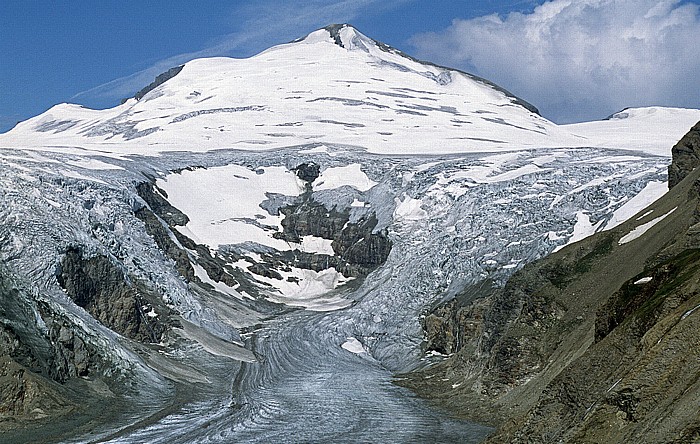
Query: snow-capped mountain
{"points": [[336, 86], [282, 222]]}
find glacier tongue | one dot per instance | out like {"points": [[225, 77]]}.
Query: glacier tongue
{"points": [[459, 220]]}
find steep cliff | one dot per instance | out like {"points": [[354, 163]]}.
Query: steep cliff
{"points": [[595, 343], [686, 156]]}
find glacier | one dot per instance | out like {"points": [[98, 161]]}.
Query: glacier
{"points": [[270, 343]]}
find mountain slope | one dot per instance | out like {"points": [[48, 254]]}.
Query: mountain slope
{"points": [[595, 343], [335, 86]]}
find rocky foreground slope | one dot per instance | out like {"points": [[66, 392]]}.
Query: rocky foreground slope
{"points": [[599, 342]]}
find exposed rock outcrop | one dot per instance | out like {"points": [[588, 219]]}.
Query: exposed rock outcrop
{"points": [[308, 172], [158, 203], [26, 396], [104, 291], [159, 80], [161, 236], [358, 249], [47, 363], [686, 156]]}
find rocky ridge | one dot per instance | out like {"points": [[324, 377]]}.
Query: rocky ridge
{"points": [[686, 156]]}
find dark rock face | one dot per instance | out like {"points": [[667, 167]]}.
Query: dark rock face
{"points": [[71, 357], [686, 156], [160, 206], [26, 396], [160, 234], [308, 171], [101, 288], [358, 249], [454, 324], [497, 333], [160, 79], [358, 244], [334, 31], [41, 353], [55, 351], [311, 218]]}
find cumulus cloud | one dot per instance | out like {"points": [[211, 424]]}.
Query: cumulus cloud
{"points": [[581, 59]]}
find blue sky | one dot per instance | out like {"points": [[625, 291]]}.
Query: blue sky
{"points": [[574, 59]]}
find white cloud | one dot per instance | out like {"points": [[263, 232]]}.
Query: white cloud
{"points": [[261, 24], [581, 59]]}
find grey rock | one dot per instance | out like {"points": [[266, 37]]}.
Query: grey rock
{"points": [[159, 80], [686, 156], [101, 288]]}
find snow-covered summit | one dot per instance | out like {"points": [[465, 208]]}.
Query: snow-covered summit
{"points": [[343, 35], [335, 87]]}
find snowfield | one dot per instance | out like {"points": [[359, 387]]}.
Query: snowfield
{"points": [[221, 203], [380, 101]]}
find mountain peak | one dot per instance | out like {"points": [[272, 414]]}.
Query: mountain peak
{"points": [[334, 87], [342, 34], [346, 36]]}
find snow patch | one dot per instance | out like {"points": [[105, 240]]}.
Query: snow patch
{"points": [[640, 230], [350, 175], [645, 215], [313, 244], [689, 312], [651, 192], [582, 229]]}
